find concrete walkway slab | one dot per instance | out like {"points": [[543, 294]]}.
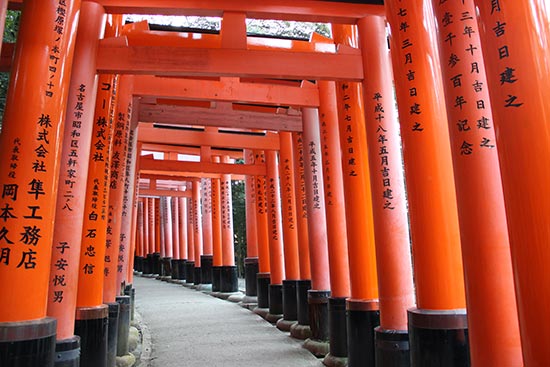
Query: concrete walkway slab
{"points": [[189, 328]]}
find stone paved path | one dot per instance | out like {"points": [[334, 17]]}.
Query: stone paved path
{"points": [[189, 328]]}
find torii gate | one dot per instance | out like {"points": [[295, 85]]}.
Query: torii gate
{"points": [[47, 89]]}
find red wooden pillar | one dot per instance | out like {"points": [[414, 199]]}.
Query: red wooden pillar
{"points": [[301, 206], [276, 260], [166, 220], [263, 276], [228, 275], [514, 36], [301, 330], [120, 145], [158, 242], [317, 229], [176, 257], [182, 228], [126, 246], [140, 236], [197, 231], [251, 265], [207, 258], [133, 228], [190, 264], [290, 232], [152, 236], [430, 187], [174, 206], [490, 296], [363, 303], [162, 233], [208, 241], [30, 148], [146, 270], [71, 194], [217, 261], [336, 221], [389, 204]]}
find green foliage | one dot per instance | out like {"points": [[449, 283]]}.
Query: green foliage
{"points": [[12, 25], [10, 35], [239, 221], [239, 224]]}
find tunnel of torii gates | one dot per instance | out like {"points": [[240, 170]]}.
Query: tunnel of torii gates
{"points": [[449, 270]]}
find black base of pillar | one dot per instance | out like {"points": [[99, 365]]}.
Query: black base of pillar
{"points": [[229, 282], [166, 267], [112, 338], [290, 302], [362, 318], [122, 346], [197, 277], [318, 314], [392, 348], [216, 278], [156, 264], [147, 265], [206, 268], [181, 269], [251, 268], [276, 299], [189, 271], [67, 352], [28, 343], [302, 306], [337, 327], [438, 338], [92, 326], [131, 292], [138, 263], [263, 281], [175, 269]]}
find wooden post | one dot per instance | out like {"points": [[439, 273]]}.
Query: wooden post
{"points": [[389, 203], [336, 222], [317, 229], [263, 277], [228, 275], [301, 330], [71, 194], [434, 227], [216, 232], [197, 231], [290, 232], [251, 265], [514, 36], [276, 259], [30, 147], [116, 190]]}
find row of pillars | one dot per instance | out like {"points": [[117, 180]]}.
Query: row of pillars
{"points": [[68, 182], [476, 215], [189, 238]]}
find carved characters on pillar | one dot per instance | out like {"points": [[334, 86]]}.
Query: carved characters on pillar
{"points": [[463, 25], [383, 152], [58, 30], [349, 148], [301, 174], [409, 56], [315, 165]]}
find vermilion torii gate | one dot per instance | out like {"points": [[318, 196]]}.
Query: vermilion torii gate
{"points": [[82, 107]]}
